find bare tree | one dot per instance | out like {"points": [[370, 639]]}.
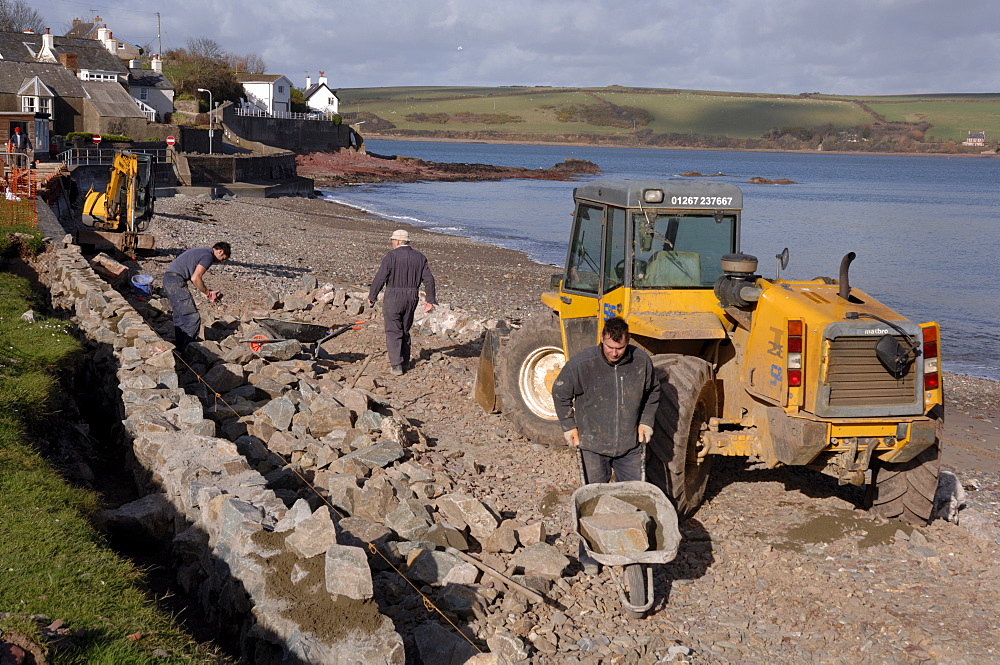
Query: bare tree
{"points": [[203, 47], [249, 64], [18, 16]]}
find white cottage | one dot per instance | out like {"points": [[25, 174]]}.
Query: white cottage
{"points": [[271, 94], [320, 96]]}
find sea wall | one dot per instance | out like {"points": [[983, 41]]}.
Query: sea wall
{"points": [[238, 547]]}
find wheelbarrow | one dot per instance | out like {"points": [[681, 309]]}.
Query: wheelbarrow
{"points": [[278, 330], [636, 594]]}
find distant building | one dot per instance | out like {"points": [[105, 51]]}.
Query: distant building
{"points": [[977, 139], [270, 94], [320, 96], [98, 30], [152, 91]]}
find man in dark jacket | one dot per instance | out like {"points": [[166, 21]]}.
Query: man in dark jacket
{"points": [[606, 398], [401, 272], [191, 266]]}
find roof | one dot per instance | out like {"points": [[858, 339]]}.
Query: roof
{"points": [[258, 78], [84, 29], [33, 87], [59, 80], [111, 100], [90, 54], [148, 78], [316, 87]]}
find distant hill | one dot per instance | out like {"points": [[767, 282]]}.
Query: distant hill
{"points": [[678, 118]]}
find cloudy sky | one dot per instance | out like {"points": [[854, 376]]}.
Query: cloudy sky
{"points": [[779, 46]]}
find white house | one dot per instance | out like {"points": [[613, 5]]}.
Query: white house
{"points": [[320, 97], [269, 93], [153, 93]]}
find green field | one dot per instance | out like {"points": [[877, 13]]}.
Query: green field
{"points": [[533, 112]]}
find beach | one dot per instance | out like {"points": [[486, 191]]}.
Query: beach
{"points": [[777, 565]]}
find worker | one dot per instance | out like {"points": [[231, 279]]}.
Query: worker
{"points": [[191, 266], [401, 273], [606, 398], [20, 142]]}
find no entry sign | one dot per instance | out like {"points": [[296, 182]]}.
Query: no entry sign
{"points": [[97, 138], [171, 140]]}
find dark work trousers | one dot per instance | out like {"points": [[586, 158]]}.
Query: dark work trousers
{"points": [[187, 320], [597, 468], [398, 307]]}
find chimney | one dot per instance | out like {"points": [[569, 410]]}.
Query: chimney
{"points": [[157, 63], [309, 82], [102, 34], [48, 41], [134, 64], [68, 60], [322, 79]]}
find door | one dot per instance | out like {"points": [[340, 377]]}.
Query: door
{"points": [[615, 267], [580, 297], [41, 136]]}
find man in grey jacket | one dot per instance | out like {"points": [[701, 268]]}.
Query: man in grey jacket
{"points": [[606, 398], [401, 272]]}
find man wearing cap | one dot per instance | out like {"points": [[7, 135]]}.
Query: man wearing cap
{"points": [[401, 272], [20, 142]]}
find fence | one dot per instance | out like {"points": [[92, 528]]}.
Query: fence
{"points": [[106, 156], [20, 195], [254, 112], [15, 160]]}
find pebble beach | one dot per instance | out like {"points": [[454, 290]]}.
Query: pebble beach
{"points": [[776, 567]]}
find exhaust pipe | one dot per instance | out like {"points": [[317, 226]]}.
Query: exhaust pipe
{"points": [[845, 284]]}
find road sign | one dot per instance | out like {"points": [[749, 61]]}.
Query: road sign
{"points": [[97, 138], [171, 140]]}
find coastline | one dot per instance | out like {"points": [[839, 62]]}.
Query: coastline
{"points": [[579, 144]]}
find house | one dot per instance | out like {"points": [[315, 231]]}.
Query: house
{"points": [[977, 139], [98, 30], [270, 94], [153, 93], [320, 96], [80, 83]]}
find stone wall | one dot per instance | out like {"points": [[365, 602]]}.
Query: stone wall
{"points": [[235, 541], [300, 136]]}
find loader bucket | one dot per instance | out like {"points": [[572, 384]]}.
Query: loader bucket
{"points": [[486, 394]]}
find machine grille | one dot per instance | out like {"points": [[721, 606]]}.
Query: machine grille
{"points": [[857, 378]]}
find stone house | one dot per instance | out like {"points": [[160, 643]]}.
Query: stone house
{"points": [[98, 30], [270, 94], [319, 96], [76, 83], [153, 93]]}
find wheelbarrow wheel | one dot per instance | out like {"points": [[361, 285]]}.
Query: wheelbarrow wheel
{"points": [[635, 579]]}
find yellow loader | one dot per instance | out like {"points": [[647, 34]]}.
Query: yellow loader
{"points": [[812, 373], [124, 208]]}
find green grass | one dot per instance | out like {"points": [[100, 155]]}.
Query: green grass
{"points": [[700, 112], [52, 560]]}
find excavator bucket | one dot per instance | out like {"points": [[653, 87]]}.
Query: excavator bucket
{"points": [[486, 394]]}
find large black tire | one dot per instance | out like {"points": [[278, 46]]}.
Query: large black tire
{"points": [[529, 365], [905, 491], [687, 401], [635, 580]]}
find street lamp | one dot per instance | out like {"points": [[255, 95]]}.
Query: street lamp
{"points": [[211, 119]]}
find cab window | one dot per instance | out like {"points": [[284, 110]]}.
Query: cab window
{"points": [[678, 251], [583, 265]]}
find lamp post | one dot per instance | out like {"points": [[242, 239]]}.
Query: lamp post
{"points": [[211, 119]]}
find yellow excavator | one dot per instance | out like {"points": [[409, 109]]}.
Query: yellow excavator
{"points": [[124, 209]]}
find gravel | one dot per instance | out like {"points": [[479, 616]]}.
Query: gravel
{"points": [[777, 566]]}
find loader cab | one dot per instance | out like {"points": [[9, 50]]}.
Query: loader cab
{"points": [[633, 240]]}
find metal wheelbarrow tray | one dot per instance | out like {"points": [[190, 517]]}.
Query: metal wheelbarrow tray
{"points": [[636, 594], [279, 330]]}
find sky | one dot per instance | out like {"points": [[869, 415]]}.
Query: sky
{"points": [[861, 47]]}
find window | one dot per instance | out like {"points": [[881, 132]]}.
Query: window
{"points": [[29, 104], [143, 94], [120, 46], [674, 251], [281, 89], [614, 259], [583, 267]]}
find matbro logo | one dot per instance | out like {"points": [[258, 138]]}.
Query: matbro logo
{"points": [[876, 331]]}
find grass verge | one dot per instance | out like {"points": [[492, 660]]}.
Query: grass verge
{"points": [[52, 560]]}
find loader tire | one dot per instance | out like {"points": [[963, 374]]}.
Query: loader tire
{"points": [[905, 491], [529, 364], [687, 401]]}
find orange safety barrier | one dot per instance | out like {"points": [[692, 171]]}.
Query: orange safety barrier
{"points": [[18, 198]]}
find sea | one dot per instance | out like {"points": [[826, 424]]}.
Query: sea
{"points": [[926, 229]]}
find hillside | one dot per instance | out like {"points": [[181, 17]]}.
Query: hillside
{"points": [[678, 118]]}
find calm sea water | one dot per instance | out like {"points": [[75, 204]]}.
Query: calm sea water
{"points": [[925, 229]]}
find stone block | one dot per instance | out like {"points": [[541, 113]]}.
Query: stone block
{"points": [[299, 512], [616, 533], [224, 377], [369, 421], [379, 455], [313, 535], [539, 559], [440, 568], [358, 532], [531, 533], [445, 535], [462, 509], [278, 412], [416, 473], [410, 520], [327, 416], [436, 644], [285, 444], [286, 349], [504, 539], [347, 572]]}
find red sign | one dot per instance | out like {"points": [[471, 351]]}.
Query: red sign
{"points": [[97, 138], [171, 140]]}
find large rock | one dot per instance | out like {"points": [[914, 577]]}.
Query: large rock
{"points": [[462, 509], [223, 378], [347, 572], [616, 533], [313, 535], [440, 568], [441, 646], [410, 520], [539, 559]]}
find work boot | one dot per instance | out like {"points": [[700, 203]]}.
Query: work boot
{"points": [[397, 370]]}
